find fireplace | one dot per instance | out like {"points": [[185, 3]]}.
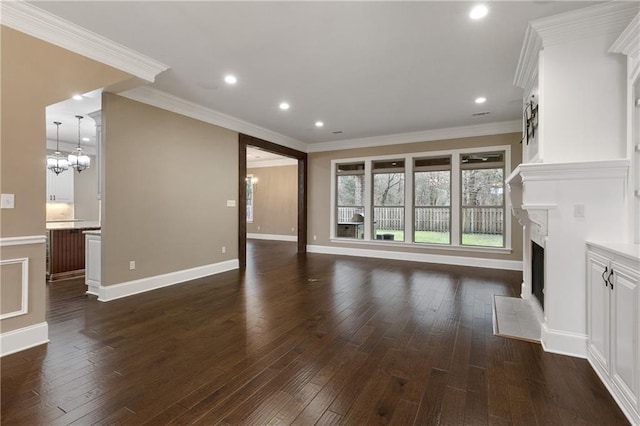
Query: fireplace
{"points": [[537, 272]]}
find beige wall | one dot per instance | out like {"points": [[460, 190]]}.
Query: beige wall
{"points": [[275, 201], [320, 191], [167, 181], [85, 197], [34, 74]]}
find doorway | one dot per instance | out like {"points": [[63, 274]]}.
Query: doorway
{"points": [[301, 157]]}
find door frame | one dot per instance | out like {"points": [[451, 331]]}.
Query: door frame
{"points": [[243, 142]]}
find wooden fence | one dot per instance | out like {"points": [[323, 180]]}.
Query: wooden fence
{"points": [[475, 220]]}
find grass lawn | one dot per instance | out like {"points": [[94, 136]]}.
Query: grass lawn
{"points": [[484, 240]]}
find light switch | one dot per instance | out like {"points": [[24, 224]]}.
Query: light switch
{"points": [[7, 201], [578, 210], [231, 203]]}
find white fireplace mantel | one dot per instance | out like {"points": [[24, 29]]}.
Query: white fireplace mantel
{"points": [[560, 205]]}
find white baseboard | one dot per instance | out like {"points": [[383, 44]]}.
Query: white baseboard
{"points": [[564, 342], [117, 291], [24, 338], [629, 411], [477, 262], [273, 237]]}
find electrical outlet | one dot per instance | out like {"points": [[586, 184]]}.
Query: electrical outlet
{"points": [[258, 227], [7, 201], [314, 238], [293, 229], [578, 210], [132, 265], [224, 249]]}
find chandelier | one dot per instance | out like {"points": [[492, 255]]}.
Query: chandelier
{"points": [[56, 162], [78, 159]]}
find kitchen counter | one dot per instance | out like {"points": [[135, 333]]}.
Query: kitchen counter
{"points": [[75, 224], [66, 247]]}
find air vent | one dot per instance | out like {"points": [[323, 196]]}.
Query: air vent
{"points": [[478, 114], [337, 132]]}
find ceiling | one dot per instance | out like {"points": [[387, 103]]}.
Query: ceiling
{"points": [[365, 69]]}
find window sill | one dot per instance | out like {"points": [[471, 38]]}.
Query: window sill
{"points": [[382, 243]]}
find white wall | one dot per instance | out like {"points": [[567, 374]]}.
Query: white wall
{"points": [[584, 101]]}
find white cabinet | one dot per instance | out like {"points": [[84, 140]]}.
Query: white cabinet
{"points": [[60, 187], [92, 261], [613, 279]]}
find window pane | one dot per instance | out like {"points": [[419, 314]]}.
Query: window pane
{"points": [[483, 207], [482, 187], [388, 223], [432, 225], [388, 189], [483, 226], [350, 209], [433, 188], [351, 190]]}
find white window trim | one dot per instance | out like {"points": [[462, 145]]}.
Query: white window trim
{"points": [[409, 202]]}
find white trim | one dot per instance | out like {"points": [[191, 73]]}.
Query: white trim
{"points": [[597, 20], [625, 406], [24, 338], [117, 291], [527, 69], [158, 98], [46, 26], [253, 164], [22, 241], [600, 19], [273, 237], [455, 195], [563, 342], [424, 136], [612, 169], [24, 287], [477, 262], [627, 43]]}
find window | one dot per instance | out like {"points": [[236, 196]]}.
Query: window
{"points": [[482, 191], [453, 198], [350, 200], [388, 200], [432, 200], [249, 182]]}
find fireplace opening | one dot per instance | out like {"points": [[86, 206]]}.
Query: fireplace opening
{"points": [[537, 272]]}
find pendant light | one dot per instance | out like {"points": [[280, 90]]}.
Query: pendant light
{"points": [[78, 159], [56, 162]]}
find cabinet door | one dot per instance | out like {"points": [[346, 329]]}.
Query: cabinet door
{"points": [[624, 331], [598, 310], [60, 187]]}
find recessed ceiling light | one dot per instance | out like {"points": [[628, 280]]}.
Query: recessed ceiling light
{"points": [[319, 124], [478, 12], [481, 100], [86, 139], [230, 79], [77, 97], [284, 105]]}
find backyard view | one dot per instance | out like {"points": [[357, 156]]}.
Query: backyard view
{"points": [[481, 203]]}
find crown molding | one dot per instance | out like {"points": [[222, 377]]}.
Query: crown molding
{"points": [[527, 69], [629, 41], [36, 22], [593, 21], [424, 136], [601, 19], [252, 164], [151, 96], [590, 170]]}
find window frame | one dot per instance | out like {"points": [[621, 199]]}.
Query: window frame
{"points": [[432, 168], [335, 205], [455, 201]]}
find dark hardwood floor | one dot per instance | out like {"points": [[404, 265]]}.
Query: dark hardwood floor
{"points": [[312, 339]]}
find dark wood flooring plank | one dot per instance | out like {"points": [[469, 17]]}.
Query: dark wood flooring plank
{"points": [[298, 339]]}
